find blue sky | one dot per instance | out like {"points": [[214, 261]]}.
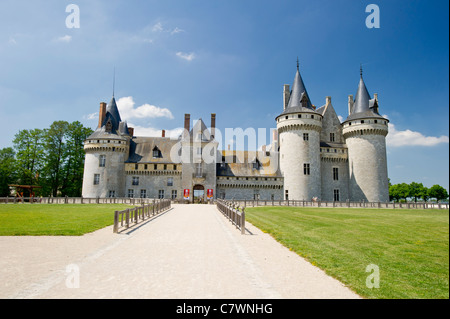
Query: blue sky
{"points": [[230, 58]]}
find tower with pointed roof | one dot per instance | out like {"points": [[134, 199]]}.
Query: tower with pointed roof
{"points": [[106, 150], [299, 127], [365, 132]]}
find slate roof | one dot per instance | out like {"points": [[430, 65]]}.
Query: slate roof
{"points": [[298, 92], [364, 106]]}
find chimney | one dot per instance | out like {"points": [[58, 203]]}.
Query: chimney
{"points": [[187, 122], [101, 114], [228, 146], [286, 95], [163, 133], [328, 99], [350, 104], [131, 131], [213, 125]]}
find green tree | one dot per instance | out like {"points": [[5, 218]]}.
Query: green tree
{"points": [[416, 190], [55, 149], [438, 192], [73, 169], [399, 191], [8, 172], [29, 147]]}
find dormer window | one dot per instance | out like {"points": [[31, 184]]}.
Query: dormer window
{"points": [[156, 153], [304, 101], [108, 126], [256, 164]]}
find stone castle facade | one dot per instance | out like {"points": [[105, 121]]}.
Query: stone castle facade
{"points": [[311, 155]]}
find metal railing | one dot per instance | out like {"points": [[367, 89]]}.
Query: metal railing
{"points": [[75, 200], [231, 211], [140, 213], [362, 204]]}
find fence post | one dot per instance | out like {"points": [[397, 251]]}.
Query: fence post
{"points": [[116, 222], [243, 222]]}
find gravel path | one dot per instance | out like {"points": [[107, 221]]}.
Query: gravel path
{"points": [[190, 251]]}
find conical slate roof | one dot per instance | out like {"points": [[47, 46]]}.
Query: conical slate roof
{"points": [[364, 106], [297, 92], [299, 99]]}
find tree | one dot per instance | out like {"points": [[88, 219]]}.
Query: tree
{"points": [[72, 182], [54, 156], [29, 146], [399, 191], [416, 190], [8, 172], [438, 192]]}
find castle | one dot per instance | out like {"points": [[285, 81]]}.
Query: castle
{"points": [[311, 155]]}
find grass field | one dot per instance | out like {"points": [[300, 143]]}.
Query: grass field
{"points": [[410, 247], [55, 220]]}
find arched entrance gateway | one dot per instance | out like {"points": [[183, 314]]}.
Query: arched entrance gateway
{"points": [[199, 194]]}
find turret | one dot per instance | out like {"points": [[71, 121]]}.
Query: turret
{"points": [[299, 127], [365, 132], [106, 149]]}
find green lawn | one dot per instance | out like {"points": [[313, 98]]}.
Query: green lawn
{"points": [[55, 220], [410, 247]]}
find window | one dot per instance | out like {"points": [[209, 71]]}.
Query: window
{"points": [[312, 116], [336, 195], [286, 194], [256, 194], [306, 169], [136, 166], [362, 121], [299, 116], [199, 151], [305, 136], [272, 196], [165, 167], [331, 137], [170, 181], [96, 179], [161, 194], [143, 193], [130, 193], [335, 173], [112, 194], [256, 165], [135, 181], [155, 167], [156, 152], [287, 117], [145, 166], [174, 167], [198, 170], [174, 194], [102, 161]]}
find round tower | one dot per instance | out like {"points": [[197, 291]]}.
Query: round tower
{"points": [[106, 149], [299, 128], [365, 133]]}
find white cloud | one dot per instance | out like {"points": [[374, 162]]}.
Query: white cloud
{"points": [[92, 116], [157, 27], [128, 111], [153, 132], [186, 56], [176, 30], [66, 39], [398, 138]]}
